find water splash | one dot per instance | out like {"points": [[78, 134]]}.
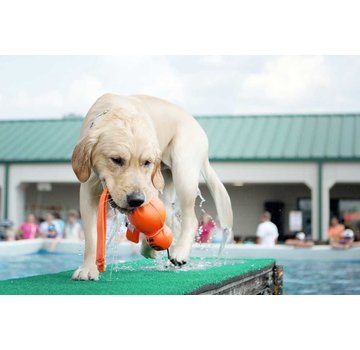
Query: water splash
{"points": [[175, 220], [226, 232], [116, 224], [199, 230], [116, 232], [197, 264], [202, 200]]}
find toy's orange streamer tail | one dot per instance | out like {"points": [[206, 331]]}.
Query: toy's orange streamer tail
{"points": [[101, 230]]}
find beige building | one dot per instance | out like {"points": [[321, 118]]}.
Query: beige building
{"points": [[302, 168]]}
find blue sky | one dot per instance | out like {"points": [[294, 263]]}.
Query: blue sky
{"points": [[53, 86]]}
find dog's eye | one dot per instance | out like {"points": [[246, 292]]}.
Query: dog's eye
{"points": [[147, 163], [118, 161]]}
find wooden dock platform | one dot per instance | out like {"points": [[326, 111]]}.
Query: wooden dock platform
{"points": [[149, 277], [266, 281]]}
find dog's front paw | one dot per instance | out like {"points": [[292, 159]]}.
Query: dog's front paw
{"points": [[179, 256], [147, 252], [86, 272]]}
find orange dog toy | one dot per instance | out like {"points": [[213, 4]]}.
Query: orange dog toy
{"points": [[149, 219]]}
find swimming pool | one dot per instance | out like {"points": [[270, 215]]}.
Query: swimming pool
{"points": [[300, 277], [43, 262], [37, 264], [321, 277]]}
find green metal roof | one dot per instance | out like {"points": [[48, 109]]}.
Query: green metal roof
{"points": [[237, 138], [283, 137], [38, 140]]}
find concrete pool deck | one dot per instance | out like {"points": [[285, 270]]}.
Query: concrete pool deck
{"points": [[247, 251]]}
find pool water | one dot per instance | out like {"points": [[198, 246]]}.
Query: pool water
{"points": [[37, 264], [321, 277], [300, 277], [44, 263]]}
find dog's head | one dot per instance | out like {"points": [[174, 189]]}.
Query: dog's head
{"points": [[124, 152]]}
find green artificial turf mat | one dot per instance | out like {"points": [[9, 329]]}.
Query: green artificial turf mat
{"points": [[139, 277]]}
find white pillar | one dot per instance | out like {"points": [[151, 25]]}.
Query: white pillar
{"points": [[314, 212], [16, 199], [17, 203], [327, 184]]}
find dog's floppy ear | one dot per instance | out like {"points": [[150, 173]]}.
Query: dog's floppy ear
{"points": [[156, 177], [81, 158]]}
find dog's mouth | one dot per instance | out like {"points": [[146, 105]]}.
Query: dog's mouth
{"points": [[120, 209]]}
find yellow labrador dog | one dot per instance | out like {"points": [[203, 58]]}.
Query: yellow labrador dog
{"points": [[139, 146]]}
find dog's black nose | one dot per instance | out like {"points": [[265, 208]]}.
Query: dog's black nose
{"points": [[135, 199]]}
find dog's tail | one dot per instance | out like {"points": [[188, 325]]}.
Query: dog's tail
{"points": [[220, 196]]}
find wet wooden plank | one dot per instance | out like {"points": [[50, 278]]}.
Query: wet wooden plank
{"points": [[266, 281]]}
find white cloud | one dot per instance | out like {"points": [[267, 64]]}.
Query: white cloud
{"points": [[213, 60], [77, 98], [31, 105], [152, 75], [200, 84], [28, 100], [167, 85], [287, 79], [82, 93]]}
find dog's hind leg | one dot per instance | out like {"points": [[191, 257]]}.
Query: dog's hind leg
{"points": [[169, 199], [186, 180], [88, 208]]}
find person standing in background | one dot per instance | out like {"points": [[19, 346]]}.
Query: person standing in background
{"points": [[335, 230], [73, 229], [267, 232], [50, 223], [59, 222], [206, 227], [340, 237], [29, 229]]}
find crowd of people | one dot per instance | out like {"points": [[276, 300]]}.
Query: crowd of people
{"points": [[340, 236], [267, 234], [50, 226]]}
